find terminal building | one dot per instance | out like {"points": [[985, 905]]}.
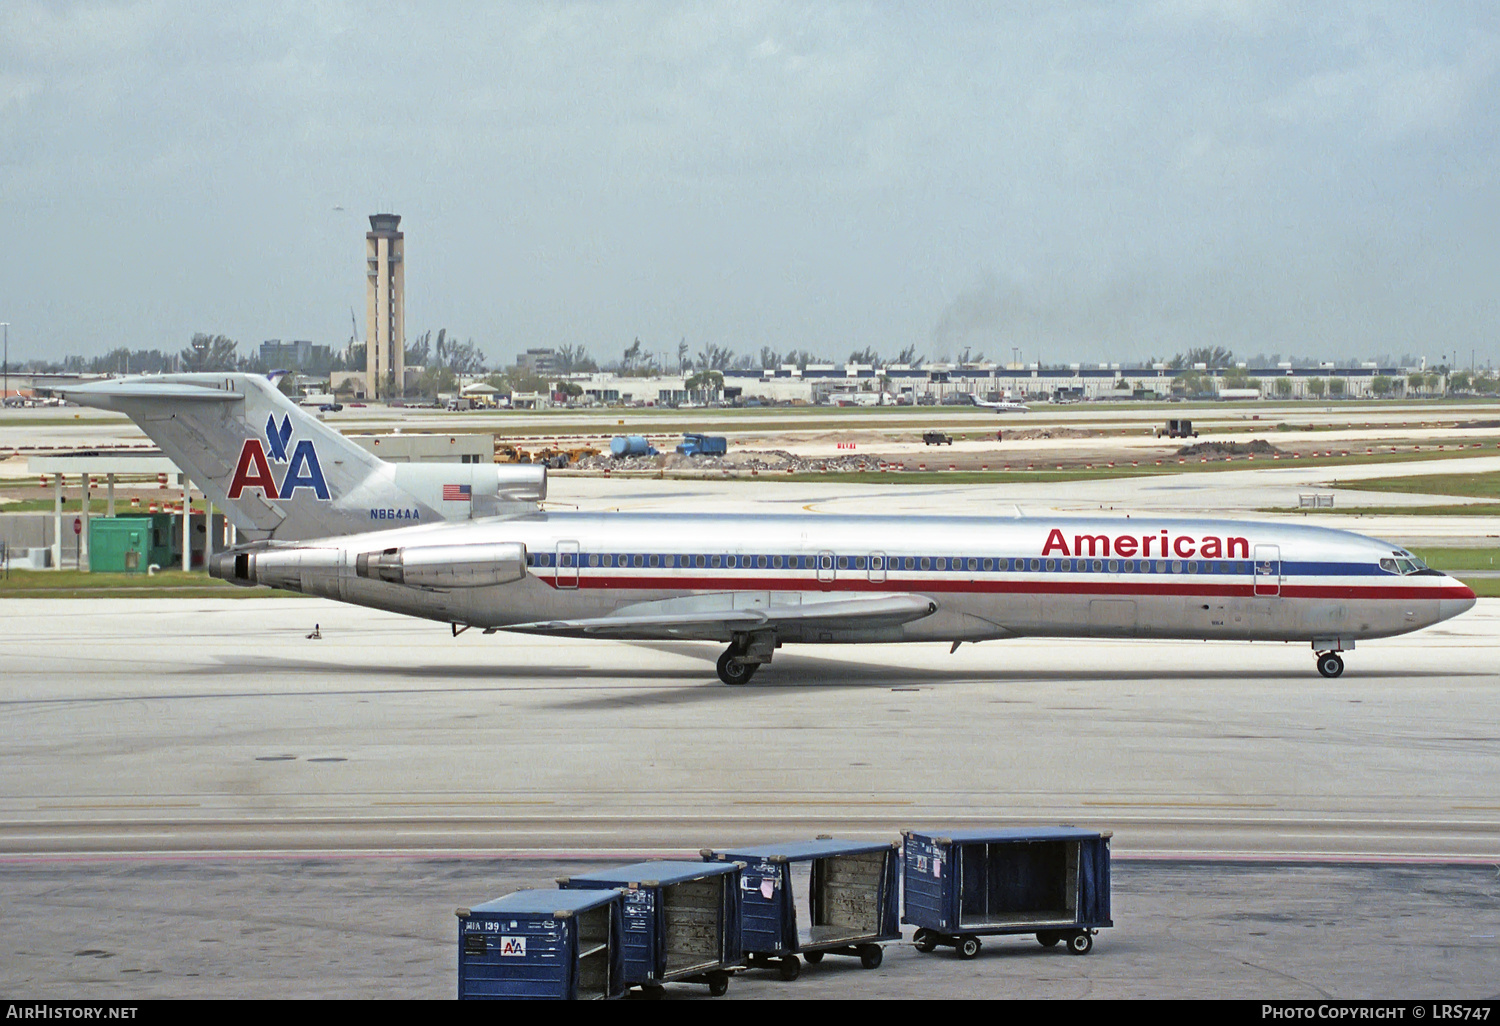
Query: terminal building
{"points": [[821, 383], [296, 355]]}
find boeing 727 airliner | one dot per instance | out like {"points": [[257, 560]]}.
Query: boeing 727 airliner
{"points": [[319, 514]]}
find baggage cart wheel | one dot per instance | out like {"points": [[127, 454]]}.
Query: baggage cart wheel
{"points": [[813, 957], [789, 968], [967, 947], [871, 955], [718, 984], [925, 940], [1080, 943], [1048, 938]]}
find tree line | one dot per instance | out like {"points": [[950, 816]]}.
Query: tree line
{"points": [[444, 359]]}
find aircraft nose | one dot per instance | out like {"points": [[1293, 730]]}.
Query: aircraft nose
{"points": [[1457, 598]]}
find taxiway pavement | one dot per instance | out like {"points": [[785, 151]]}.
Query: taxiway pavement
{"points": [[219, 725]]}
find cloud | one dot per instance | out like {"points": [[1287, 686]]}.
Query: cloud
{"points": [[804, 175]]}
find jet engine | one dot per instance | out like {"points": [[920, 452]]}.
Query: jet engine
{"points": [[445, 566], [422, 566], [290, 569]]}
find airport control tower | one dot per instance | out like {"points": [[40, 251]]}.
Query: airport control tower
{"points": [[385, 308]]}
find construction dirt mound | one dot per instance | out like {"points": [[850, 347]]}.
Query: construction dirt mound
{"points": [[1026, 435], [1258, 447]]}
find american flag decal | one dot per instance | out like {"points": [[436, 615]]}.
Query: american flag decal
{"points": [[457, 493]]}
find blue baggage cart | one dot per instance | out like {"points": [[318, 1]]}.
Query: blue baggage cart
{"points": [[850, 894], [543, 944], [1050, 881], [681, 921]]}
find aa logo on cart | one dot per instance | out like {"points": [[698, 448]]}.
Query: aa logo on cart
{"points": [[513, 947]]}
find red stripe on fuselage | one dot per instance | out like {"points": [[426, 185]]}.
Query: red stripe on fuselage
{"points": [[1115, 588]]}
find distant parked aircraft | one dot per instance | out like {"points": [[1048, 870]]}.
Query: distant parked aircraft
{"points": [[1004, 406]]}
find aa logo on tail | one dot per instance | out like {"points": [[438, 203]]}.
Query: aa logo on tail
{"points": [[254, 467]]}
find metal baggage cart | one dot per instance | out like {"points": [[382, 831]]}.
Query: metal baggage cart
{"points": [[1050, 881], [681, 921], [543, 944], [851, 899]]}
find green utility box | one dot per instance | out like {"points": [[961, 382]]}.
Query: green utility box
{"points": [[129, 545]]}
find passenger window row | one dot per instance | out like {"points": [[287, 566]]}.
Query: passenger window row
{"points": [[947, 564]]}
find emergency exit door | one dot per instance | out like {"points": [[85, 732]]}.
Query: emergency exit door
{"points": [[565, 572]]}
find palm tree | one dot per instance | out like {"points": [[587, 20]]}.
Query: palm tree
{"points": [[210, 353]]}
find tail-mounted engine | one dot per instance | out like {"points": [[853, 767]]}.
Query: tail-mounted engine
{"points": [[445, 566], [317, 570]]}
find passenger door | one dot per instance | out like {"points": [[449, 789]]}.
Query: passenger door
{"points": [[1267, 570]]}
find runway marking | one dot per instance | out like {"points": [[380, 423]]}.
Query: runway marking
{"points": [[497, 801], [119, 805], [1478, 808], [819, 801], [1179, 805]]}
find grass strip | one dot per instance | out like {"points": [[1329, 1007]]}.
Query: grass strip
{"points": [[82, 584]]}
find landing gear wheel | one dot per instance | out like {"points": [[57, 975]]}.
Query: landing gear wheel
{"points": [[924, 941], [718, 984], [1048, 938], [967, 947], [870, 956], [1080, 943], [789, 968], [733, 671], [1330, 664], [813, 957]]}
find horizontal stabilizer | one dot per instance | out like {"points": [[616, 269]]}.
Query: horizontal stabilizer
{"points": [[140, 389]]}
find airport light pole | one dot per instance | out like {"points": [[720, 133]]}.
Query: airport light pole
{"points": [[5, 393]]}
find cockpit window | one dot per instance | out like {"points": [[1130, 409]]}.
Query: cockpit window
{"points": [[1404, 562]]}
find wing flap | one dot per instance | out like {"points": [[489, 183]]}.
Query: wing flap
{"points": [[850, 613]]}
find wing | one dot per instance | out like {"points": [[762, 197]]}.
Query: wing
{"points": [[721, 616]]}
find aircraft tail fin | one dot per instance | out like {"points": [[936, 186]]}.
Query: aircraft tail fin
{"points": [[279, 472]]}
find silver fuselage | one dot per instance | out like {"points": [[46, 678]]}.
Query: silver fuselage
{"points": [[988, 578]]}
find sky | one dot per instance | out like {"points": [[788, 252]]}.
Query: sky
{"points": [[1059, 181]]}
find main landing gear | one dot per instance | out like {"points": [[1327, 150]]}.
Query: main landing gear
{"points": [[1330, 664], [733, 669], [745, 655]]}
